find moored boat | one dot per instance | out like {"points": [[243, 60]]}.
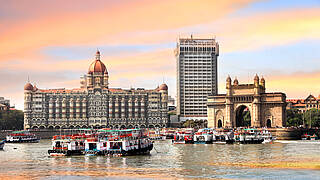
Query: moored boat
{"points": [[2, 142], [22, 137], [66, 145], [203, 136], [183, 137]]}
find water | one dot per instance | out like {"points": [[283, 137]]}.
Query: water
{"points": [[286, 160]]}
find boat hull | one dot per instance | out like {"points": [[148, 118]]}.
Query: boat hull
{"points": [[64, 152], [24, 141]]}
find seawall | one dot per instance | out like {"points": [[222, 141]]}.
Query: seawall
{"points": [[280, 133]]}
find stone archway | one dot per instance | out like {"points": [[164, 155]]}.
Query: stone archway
{"points": [[123, 127], [151, 126], [243, 116], [268, 123]]}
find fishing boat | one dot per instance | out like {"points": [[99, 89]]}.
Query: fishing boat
{"points": [[66, 145], [22, 137], [223, 137], [2, 144], [183, 137], [203, 136]]}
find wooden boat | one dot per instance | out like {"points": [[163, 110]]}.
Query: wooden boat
{"points": [[22, 137]]}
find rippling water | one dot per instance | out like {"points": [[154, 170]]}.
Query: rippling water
{"points": [[286, 160]]}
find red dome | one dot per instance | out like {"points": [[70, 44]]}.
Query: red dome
{"points": [[28, 87], [97, 65], [163, 87]]}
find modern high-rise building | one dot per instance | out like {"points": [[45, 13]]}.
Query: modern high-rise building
{"points": [[196, 76], [95, 104]]}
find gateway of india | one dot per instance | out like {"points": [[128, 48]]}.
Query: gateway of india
{"points": [[229, 110], [95, 105]]}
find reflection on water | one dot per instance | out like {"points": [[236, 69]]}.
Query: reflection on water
{"points": [[297, 160]]}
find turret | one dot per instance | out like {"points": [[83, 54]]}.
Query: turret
{"points": [[256, 81], [228, 86], [236, 82], [263, 83]]}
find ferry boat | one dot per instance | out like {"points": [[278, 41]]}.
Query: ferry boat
{"points": [[2, 144], [203, 136], [223, 137], [125, 142], [21, 137], [248, 136], [267, 136], [66, 145], [183, 137], [305, 137]]}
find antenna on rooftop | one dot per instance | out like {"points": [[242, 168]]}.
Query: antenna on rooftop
{"points": [[28, 79]]}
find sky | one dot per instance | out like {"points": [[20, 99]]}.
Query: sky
{"points": [[54, 42]]}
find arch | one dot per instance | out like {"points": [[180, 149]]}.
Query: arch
{"points": [[130, 127], [116, 127], [84, 126], [268, 123], [158, 126], [35, 127], [243, 116], [122, 127], [42, 127], [151, 126], [136, 126], [50, 127], [219, 116], [57, 127], [78, 127], [71, 127], [142, 126], [219, 123]]}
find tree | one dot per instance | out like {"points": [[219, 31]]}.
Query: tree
{"points": [[312, 116], [11, 120], [294, 118]]}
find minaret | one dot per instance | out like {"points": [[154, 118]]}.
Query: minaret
{"points": [[28, 88], [229, 104]]}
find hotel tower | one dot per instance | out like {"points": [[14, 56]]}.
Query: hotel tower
{"points": [[196, 76]]}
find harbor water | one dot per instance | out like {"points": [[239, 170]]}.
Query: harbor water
{"points": [[279, 160]]}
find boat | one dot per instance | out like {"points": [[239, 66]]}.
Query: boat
{"points": [[124, 143], [203, 136], [305, 137], [223, 137], [2, 144], [267, 136], [183, 137], [22, 137], [314, 137], [248, 136], [66, 145]]}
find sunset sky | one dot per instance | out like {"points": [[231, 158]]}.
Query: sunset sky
{"points": [[54, 42]]}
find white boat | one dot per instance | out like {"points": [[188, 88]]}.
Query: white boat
{"points": [[22, 137], [66, 145], [203, 136]]}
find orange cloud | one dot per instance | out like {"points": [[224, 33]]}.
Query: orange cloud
{"points": [[94, 27]]}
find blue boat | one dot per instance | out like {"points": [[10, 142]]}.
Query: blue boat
{"points": [[2, 144]]}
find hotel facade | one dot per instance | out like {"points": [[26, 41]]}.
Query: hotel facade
{"points": [[95, 105]]}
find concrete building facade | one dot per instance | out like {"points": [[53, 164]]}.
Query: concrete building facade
{"points": [[266, 109], [95, 105], [196, 76]]}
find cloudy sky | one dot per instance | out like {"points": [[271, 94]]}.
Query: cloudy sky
{"points": [[53, 42]]}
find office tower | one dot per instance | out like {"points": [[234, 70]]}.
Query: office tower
{"points": [[196, 76]]}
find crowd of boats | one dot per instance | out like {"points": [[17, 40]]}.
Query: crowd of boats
{"points": [[111, 142], [212, 136]]}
